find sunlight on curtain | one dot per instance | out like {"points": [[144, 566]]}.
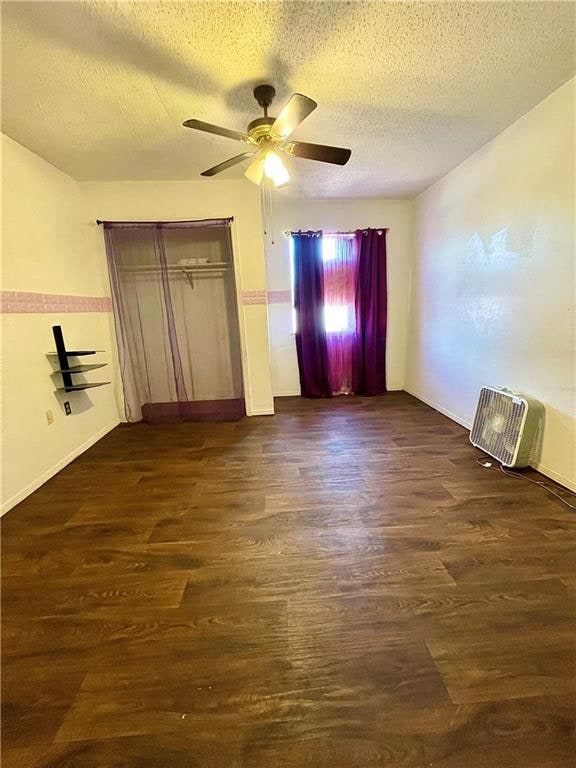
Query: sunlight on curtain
{"points": [[340, 265]]}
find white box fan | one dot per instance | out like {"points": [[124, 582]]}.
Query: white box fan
{"points": [[505, 425]]}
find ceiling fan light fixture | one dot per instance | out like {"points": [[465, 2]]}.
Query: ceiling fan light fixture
{"points": [[255, 171], [275, 170]]}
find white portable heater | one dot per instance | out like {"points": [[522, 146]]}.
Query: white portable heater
{"points": [[505, 425]]}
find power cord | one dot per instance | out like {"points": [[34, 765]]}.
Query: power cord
{"points": [[487, 464]]}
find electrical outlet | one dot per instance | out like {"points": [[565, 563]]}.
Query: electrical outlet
{"points": [[49, 417], [67, 408]]}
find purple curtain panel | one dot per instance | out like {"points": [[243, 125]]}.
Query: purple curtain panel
{"points": [[311, 343], [369, 360]]}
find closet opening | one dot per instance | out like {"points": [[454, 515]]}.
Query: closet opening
{"points": [[176, 318]]}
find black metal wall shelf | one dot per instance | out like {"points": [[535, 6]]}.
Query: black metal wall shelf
{"points": [[78, 352], [81, 368], [67, 371], [84, 385]]}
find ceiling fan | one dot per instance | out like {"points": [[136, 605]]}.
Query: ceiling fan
{"points": [[269, 137]]}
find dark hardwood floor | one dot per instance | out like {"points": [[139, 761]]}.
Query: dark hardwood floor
{"points": [[340, 586]]}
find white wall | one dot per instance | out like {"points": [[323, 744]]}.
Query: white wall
{"points": [[337, 214], [174, 200], [493, 282], [45, 251]]}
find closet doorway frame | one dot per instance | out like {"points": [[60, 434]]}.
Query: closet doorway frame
{"points": [[242, 325]]}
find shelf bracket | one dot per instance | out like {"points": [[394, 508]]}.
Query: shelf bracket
{"points": [[62, 356], [189, 277]]}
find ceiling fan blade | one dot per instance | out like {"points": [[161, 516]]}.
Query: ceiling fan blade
{"points": [[226, 164], [297, 110], [217, 129], [321, 152], [255, 171]]}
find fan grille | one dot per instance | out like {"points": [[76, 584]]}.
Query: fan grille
{"points": [[497, 424]]}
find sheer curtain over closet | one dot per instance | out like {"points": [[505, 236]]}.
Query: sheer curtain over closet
{"points": [[176, 319]]}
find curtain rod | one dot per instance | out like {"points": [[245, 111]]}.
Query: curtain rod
{"points": [[176, 221], [350, 232]]}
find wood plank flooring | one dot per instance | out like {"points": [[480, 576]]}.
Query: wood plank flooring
{"points": [[338, 586]]}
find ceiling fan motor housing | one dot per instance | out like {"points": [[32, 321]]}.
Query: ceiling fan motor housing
{"points": [[264, 95], [260, 127]]}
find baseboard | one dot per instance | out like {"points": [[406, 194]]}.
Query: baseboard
{"points": [[297, 393], [262, 412], [537, 465], [444, 411], [553, 475], [35, 484]]}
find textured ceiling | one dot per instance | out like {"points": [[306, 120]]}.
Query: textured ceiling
{"points": [[100, 89]]}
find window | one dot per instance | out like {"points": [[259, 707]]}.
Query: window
{"points": [[337, 318], [339, 259], [329, 248]]}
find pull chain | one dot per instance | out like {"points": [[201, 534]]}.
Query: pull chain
{"points": [[271, 208], [266, 204]]}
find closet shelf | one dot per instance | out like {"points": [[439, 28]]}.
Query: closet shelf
{"points": [[181, 267]]}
